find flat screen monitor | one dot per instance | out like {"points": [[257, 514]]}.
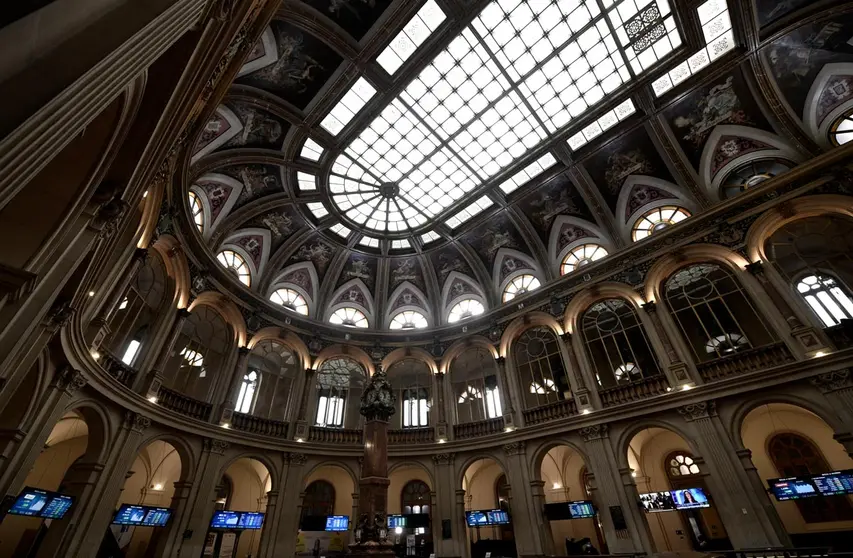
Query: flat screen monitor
{"points": [[835, 483], [481, 518], [498, 517], [581, 509], [396, 521], [337, 523], [156, 517], [225, 520], [130, 515], [657, 501], [35, 502], [476, 518], [793, 488], [250, 520], [57, 506], [689, 498]]}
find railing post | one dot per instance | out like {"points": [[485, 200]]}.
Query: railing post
{"points": [[581, 394], [676, 370], [154, 378], [302, 428]]}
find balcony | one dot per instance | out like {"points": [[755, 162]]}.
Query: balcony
{"points": [[552, 411], [411, 436], [184, 404], [647, 387], [745, 361], [335, 435], [259, 425], [477, 429], [123, 373]]}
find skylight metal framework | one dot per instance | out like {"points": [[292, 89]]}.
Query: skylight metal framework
{"points": [[512, 79]]}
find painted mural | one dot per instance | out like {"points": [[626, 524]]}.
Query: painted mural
{"points": [[356, 17], [557, 196], [258, 181], [316, 251]]}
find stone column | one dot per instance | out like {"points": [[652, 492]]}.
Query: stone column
{"points": [[446, 508], [525, 515], [837, 387], [202, 499], [511, 421], [581, 391], [291, 493], [676, 370], [807, 336], [748, 525], [234, 385], [441, 429], [268, 532], [460, 525], [302, 424], [537, 490], [100, 325], [154, 379], [616, 494], [759, 492], [164, 541]]}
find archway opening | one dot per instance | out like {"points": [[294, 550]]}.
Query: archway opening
{"points": [[243, 488], [488, 509], [410, 496], [330, 491]]}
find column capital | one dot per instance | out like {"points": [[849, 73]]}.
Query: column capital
{"points": [[244, 351], [501, 360], [597, 432], [136, 422], [537, 484], [756, 268], [444, 458], [514, 448], [697, 411], [212, 445], [183, 313], [69, 380], [650, 307], [833, 381], [297, 458]]}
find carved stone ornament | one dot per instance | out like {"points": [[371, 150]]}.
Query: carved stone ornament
{"points": [[215, 446], [219, 10], [297, 458], [444, 458], [596, 432], [70, 380], [514, 448], [833, 381], [109, 216], [378, 399], [136, 422], [696, 411], [60, 314]]}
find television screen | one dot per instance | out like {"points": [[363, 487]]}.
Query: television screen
{"points": [[250, 520], [498, 517], [657, 501], [476, 518], [225, 520], [395, 521], [832, 484], [156, 517], [129, 515], [581, 509], [689, 498], [57, 506], [792, 488], [337, 523], [31, 501]]}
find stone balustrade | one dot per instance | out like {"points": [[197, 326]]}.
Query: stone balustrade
{"points": [[183, 404], [259, 425], [123, 373], [335, 435], [552, 411], [476, 429], [742, 362], [647, 387], [411, 436]]}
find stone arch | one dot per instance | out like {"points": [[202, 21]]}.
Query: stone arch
{"points": [[626, 216], [227, 310], [344, 466], [460, 346], [218, 194], [817, 119], [98, 424], [414, 464], [177, 267], [263, 459], [502, 277], [449, 298], [182, 447], [397, 294], [569, 232], [470, 460], [285, 337], [351, 351], [347, 296], [241, 242], [801, 208], [222, 116], [537, 456], [521, 324], [587, 297], [287, 279], [623, 441], [697, 253], [398, 355]]}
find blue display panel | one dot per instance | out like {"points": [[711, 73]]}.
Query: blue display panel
{"points": [[581, 509], [130, 515], [57, 507], [156, 517], [395, 521], [498, 517], [480, 518], [250, 520], [476, 518], [225, 520], [654, 502], [793, 488], [835, 483], [337, 523], [31, 501], [690, 498]]}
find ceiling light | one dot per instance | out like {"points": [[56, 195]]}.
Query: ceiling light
{"points": [[557, 486], [158, 486]]}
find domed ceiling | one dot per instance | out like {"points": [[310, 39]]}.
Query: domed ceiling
{"points": [[396, 156]]}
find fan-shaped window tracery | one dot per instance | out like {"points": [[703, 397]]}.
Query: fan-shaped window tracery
{"points": [[291, 300], [464, 309], [196, 210], [408, 319], [582, 255], [520, 285], [658, 219], [234, 263], [827, 297], [339, 382], [415, 497], [841, 130], [348, 316], [752, 174], [681, 465]]}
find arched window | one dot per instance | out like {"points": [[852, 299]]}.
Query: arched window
{"points": [[348, 316], [196, 211], [248, 388], [408, 319], [199, 354], [581, 256], [277, 367], [234, 262], [473, 376], [795, 456], [680, 465], [415, 497], [658, 219], [713, 313], [520, 285], [750, 175], [827, 298], [539, 366], [319, 499], [464, 309], [841, 130], [291, 300], [412, 383], [616, 344], [339, 380]]}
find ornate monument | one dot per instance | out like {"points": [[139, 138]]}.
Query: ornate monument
{"points": [[371, 528]]}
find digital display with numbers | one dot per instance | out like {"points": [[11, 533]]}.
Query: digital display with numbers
{"points": [[835, 483], [337, 523]]}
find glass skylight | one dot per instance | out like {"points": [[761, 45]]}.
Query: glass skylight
{"points": [[340, 230], [306, 181], [528, 173], [317, 209], [400, 244], [429, 236], [470, 211], [512, 79], [413, 35], [350, 105], [311, 150], [369, 241], [608, 120]]}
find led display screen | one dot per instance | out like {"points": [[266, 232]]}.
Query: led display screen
{"points": [[156, 517], [835, 483], [337, 523], [793, 488], [225, 520], [130, 515], [480, 518], [658, 501], [250, 520], [689, 498], [581, 509]]}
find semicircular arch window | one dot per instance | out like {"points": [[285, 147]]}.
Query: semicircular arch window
{"points": [[580, 256], [464, 309], [196, 210], [349, 317], [291, 300], [408, 319], [750, 175], [657, 219], [234, 262], [841, 130], [827, 297], [520, 285]]}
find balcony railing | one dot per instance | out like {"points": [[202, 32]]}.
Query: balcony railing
{"points": [[476, 429], [117, 369], [745, 361], [551, 411], [647, 387], [841, 335], [184, 404], [335, 435], [259, 425], [411, 436]]}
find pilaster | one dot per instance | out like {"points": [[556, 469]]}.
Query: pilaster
{"points": [[837, 387], [447, 508], [677, 372], [283, 541], [233, 384], [154, 378], [525, 515], [507, 392]]}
